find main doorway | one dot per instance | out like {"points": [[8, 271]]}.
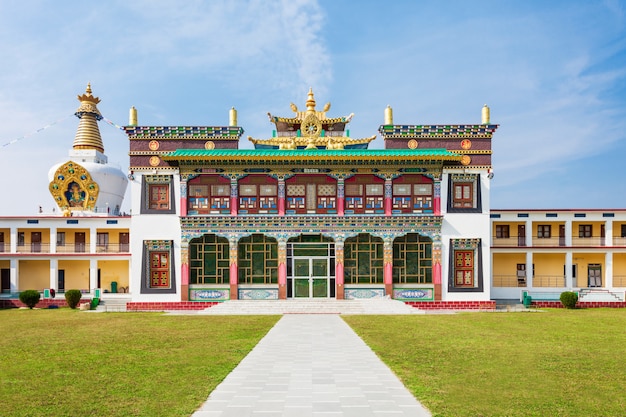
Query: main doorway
{"points": [[310, 267]]}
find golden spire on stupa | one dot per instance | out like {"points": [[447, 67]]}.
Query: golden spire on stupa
{"points": [[88, 133]]}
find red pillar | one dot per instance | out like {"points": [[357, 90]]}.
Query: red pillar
{"points": [[339, 282], [437, 280], [234, 275], [184, 282], [282, 281]]}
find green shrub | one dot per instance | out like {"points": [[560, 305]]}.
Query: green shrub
{"points": [[30, 298], [569, 299], [73, 297]]}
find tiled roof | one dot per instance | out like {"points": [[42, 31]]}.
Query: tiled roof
{"points": [[185, 132], [313, 154]]}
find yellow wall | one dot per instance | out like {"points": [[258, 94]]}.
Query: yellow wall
{"points": [[76, 274], [617, 229], [595, 228], [70, 234], [34, 274], [114, 234], [45, 235], [583, 260], [554, 227], [506, 263], [549, 263], [113, 271], [5, 264]]}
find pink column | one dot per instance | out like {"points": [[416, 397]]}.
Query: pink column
{"points": [[183, 197], [388, 266], [282, 269], [388, 194], [437, 198], [234, 197], [437, 269], [340, 197], [281, 196], [184, 281], [339, 275], [234, 270]]}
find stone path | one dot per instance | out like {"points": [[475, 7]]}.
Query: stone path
{"points": [[311, 365]]}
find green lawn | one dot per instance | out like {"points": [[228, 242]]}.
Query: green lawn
{"points": [[70, 363], [553, 363]]}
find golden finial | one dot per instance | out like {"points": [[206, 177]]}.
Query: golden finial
{"points": [[310, 103], [88, 134], [294, 108], [388, 116], [232, 117], [132, 116], [486, 116], [326, 107]]}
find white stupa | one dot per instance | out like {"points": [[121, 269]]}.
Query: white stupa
{"points": [[87, 184]]}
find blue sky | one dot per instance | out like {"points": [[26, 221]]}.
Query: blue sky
{"points": [[553, 74]]}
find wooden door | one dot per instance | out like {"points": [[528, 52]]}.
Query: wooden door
{"points": [[79, 242], [35, 241]]}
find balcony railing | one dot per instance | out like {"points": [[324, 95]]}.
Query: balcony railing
{"points": [[509, 281], [557, 281], [68, 248], [520, 241], [619, 280], [34, 248], [619, 241]]}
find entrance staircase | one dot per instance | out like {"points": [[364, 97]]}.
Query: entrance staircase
{"points": [[599, 295], [113, 304], [377, 306]]}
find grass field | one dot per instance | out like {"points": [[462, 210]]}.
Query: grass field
{"points": [[69, 363], [554, 363]]}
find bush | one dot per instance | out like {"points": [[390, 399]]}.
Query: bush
{"points": [[569, 299], [30, 298], [73, 297]]}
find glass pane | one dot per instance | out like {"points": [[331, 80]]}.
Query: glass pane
{"points": [[301, 287], [320, 287], [301, 267], [320, 267]]}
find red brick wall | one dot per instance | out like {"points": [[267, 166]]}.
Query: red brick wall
{"points": [[155, 306], [59, 302], [580, 304], [453, 305]]}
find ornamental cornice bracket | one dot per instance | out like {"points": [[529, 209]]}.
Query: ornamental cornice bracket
{"points": [[281, 175], [388, 175], [341, 175]]}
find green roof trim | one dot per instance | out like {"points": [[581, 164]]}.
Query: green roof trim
{"points": [[436, 153]]}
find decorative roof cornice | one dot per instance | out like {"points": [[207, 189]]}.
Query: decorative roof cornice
{"points": [[436, 131], [184, 132]]}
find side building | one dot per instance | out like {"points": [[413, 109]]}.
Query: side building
{"points": [[311, 212], [545, 252]]}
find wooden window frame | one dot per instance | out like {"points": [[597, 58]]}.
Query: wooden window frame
{"points": [[148, 203], [544, 231], [366, 199], [585, 231], [152, 248], [503, 231], [473, 204]]}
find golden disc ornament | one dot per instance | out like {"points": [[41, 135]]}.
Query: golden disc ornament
{"points": [[153, 145], [466, 144], [154, 161], [412, 144], [209, 145], [465, 160]]}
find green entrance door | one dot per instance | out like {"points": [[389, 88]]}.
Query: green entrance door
{"points": [[310, 277]]}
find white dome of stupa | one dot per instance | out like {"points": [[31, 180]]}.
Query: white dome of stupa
{"points": [[87, 183]]}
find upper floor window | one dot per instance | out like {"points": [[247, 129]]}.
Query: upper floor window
{"points": [[585, 230], [157, 195], [412, 194], [208, 194], [311, 194], [258, 194], [20, 239], [544, 231], [502, 231], [624, 230], [60, 238], [464, 193], [364, 194]]}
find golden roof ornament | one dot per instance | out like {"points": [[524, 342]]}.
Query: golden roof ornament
{"points": [[88, 133], [486, 116]]}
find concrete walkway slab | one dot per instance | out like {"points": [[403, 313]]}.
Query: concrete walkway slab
{"points": [[311, 365]]}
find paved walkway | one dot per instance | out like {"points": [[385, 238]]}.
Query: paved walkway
{"points": [[311, 365]]}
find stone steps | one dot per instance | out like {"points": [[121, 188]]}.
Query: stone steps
{"points": [[117, 304], [377, 306], [599, 296]]}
